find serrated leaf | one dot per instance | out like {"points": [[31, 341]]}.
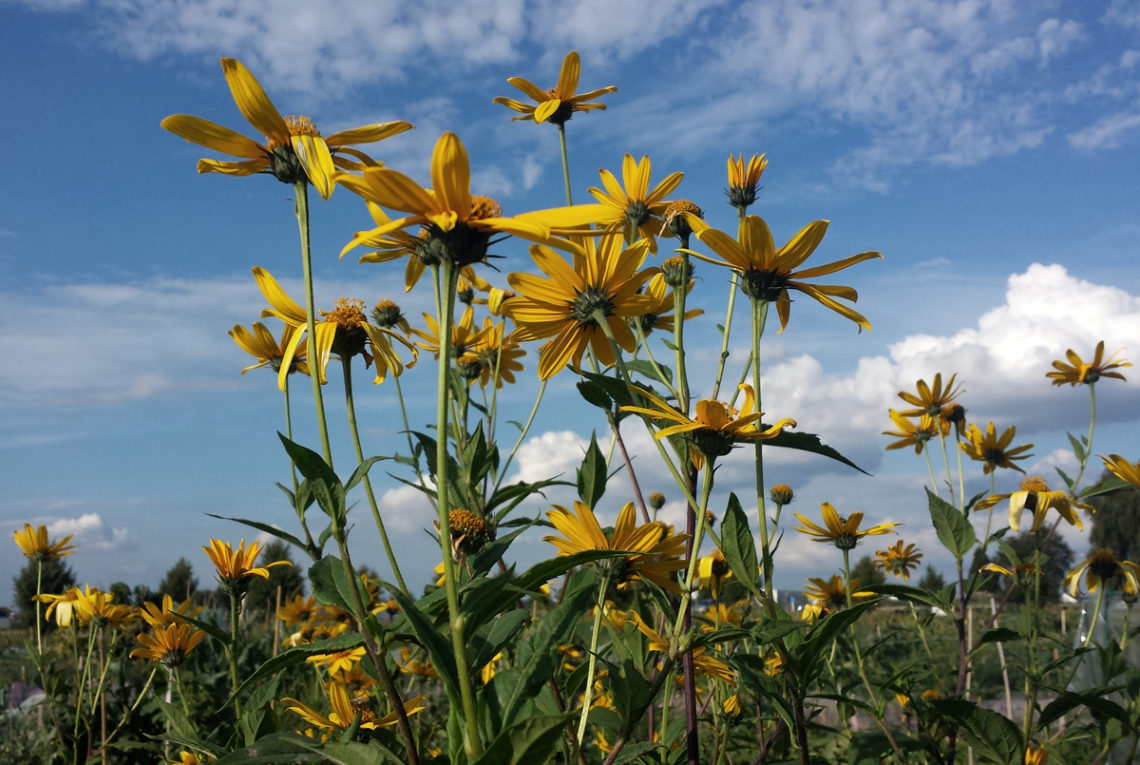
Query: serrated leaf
{"points": [[954, 531], [647, 368], [738, 546], [994, 738], [331, 587], [592, 474]]}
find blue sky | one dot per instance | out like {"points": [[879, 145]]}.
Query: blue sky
{"points": [[988, 149]]}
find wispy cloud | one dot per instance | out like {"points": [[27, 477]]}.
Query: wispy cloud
{"points": [[1108, 132]]}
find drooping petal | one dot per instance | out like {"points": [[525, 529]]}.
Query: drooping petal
{"points": [[213, 136], [367, 133], [253, 103], [315, 158]]}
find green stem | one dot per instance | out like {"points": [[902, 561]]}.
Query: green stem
{"points": [[727, 330], [930, 469], [472, 743], [522, 435], [593, 661], [235, 604], [1095, 616], [81, 687], [39, 586], [1088, 446], [690, 573], [350, 405], [565, 162], [310, 546], [679, 296], [301, 192], [759, 316]]}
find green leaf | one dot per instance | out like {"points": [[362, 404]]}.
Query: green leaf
{"points": [[646, 368], [321, 479], [1106, 486], [541, 573], [438, 646], [293, 748], [809, 442], [994, 738], [998, 635], [528, 741], [211, 629], [592, 475], [331, 588], [613, 388], [913, 594], [1066, 701], [738, 546], [297, 655], [502, 630], [1078, 447], [595, 394], [954, 531], [361, 471]]}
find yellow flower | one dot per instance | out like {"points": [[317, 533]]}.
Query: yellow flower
{"points": [[260, 344], [565, 306], [411, 666], [1102, 566], [189, 758], [716, 427], [1036, 497], [898, 560], [299, 609], [559, 103], [167, 613], [631, 203], [831, 593], [34, 543], [345, 331], [661, 314], [344, 712], [767, 273], [1036, 755], [94, 605], [713, 569], [844, 533], [743, 179], [994, 451], [62, 605], [1122, 468], [498, 355], [464, 336], [293, 150], [658, 549], [236, 565], [168, 644], [930, 399], [702, 662], [341, 660], [732, 706], [459, 225], [911, 433], [1077, 371]]}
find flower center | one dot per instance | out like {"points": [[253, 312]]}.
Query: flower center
{"points": [[637, 212], [675, 222], [1034, 484], [484, 207], [301, 125], [387, 314], [348, 316], [588, 301], [763, 285]]}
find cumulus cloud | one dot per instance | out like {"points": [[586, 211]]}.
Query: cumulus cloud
{"points": [[89, 532]]}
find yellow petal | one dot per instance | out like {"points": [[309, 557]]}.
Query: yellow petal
{"points": [[451, 175], [253, 103], [568, 76], [314, 156], [213, 136]]}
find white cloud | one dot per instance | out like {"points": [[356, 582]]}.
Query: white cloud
{"points": [[1055, 37], [88, 532], [1123, 13], [555, 452], [1109, 132]]}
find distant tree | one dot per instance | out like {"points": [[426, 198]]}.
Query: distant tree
{"points": [[179, 583], [141, 594], [865, 571], [1056, 556], [56, 577], [932, 579], [1116, 524], [262, 595], [993, 583], [122, 592]]}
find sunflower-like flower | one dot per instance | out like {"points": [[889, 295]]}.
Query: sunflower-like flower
{"points": [[898, 560], [458, 225], [744, 179], [910, 433], [713, 569], [661, 314], [1077, 371], [235, 567], [1103, 567], [658, 550], [168, 643], [298, 610], [341, 660], [464, 336], [34, 543], [705, 664], [62, 605], [1122, 468], [830, 594], [930, 399], [1036, 755], [767, 273], [293, 150], [781, 494], [565, 306], [261, 344], [1022, 573], [631, 205], [1036, 497], [344, 712], [844, 533], [717, 427], [345, 331], [97, 607], [190, 758], [160, 615], [498, 354], [558, 104], [994, 451]]}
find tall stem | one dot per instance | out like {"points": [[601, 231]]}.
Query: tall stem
{"points": [[593, 660], [759, 315], [235, 603], [350, 405], [565, 162], [301, 193], [310, 546], [472, 743], [1088, 446]]}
